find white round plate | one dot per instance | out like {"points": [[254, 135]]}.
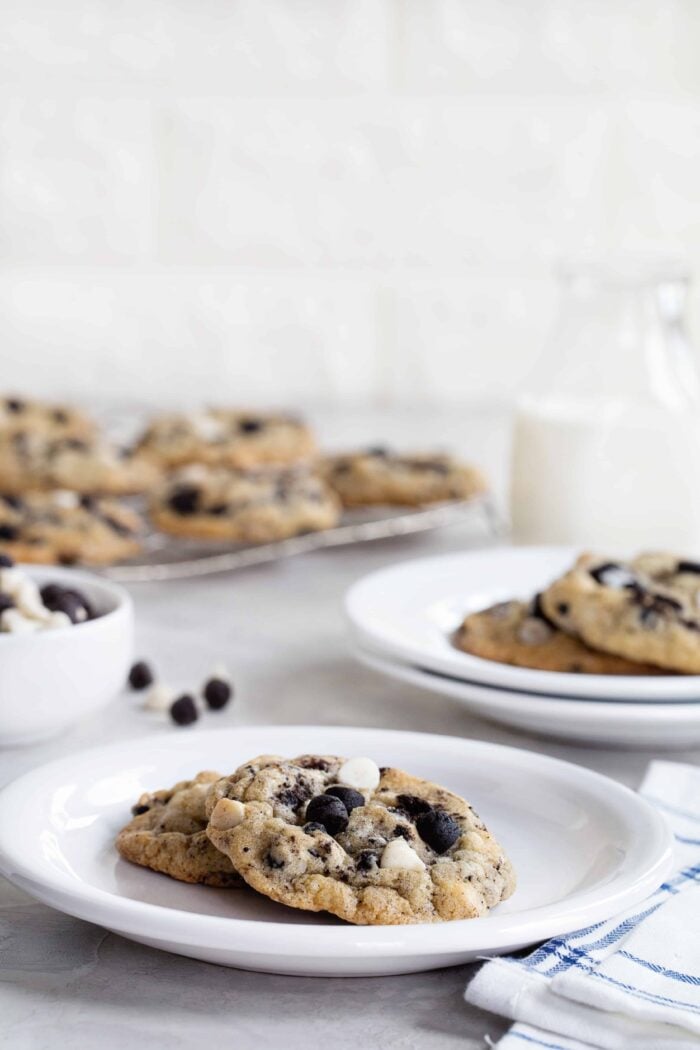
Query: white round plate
{"points": [[583, 846], [409, 611], [583, 721]]}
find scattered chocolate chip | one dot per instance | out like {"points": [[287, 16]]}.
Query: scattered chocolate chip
{"points": [[350, 798], [366, 860], [13, 404], [563, 608], [140, 675], [313, 825], [273, 862], [71, 602], [250, 426], [413, 805], [688, 566], [183, 711], [59, 416], [6, 562], [185, 499], [329, 811], [13, 501], [402, 832], [138, 810], [217, 693], [538, 611], [438, 830], [88, 502], [8, 532]]}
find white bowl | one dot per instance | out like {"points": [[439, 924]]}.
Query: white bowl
{"points": [[50, 679]]}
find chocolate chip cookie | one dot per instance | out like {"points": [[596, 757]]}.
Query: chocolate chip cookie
{"points": [[224, 437], [379, 476], [167, 834], [62, 527], [32, 460], [243, 506], [53, 419], [372, 846], [520, 633], [616, 607]]}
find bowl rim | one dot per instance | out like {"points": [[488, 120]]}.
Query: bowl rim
{"points": [[121, 599]]}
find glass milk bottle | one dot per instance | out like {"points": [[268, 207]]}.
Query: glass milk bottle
{"points": [[606, 442]]}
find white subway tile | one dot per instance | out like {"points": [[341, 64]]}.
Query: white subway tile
{"points": [[76, 180], [188, 337], [467, 338], [308, 47], [549, 45]]}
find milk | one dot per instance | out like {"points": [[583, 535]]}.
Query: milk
{"points": [[606, 473]]}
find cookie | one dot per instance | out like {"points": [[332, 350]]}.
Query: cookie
{"points": [[381, 477], [224, 437], [371, 846], [53, 419], [168, 834], [34, 461], [519, 633], [612, 606], [61, 527], [217, 503], [671, 571]]}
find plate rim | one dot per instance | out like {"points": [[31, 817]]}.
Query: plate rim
{"points": [[126, 915], [620, 688]]}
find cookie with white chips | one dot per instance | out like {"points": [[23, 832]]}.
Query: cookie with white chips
{"points": [[372, 846]]}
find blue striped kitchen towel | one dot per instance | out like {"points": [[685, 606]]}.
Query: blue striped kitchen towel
{"points": [[632, 983]]}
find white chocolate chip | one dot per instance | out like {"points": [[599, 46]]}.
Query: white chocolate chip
{"points": [[221, 672], [58, 619], [208, 428], [11, 580], [398, 854], [14, 622], [534, 632], [65, 499], [159, 697], [228, 813], [360, 773]]}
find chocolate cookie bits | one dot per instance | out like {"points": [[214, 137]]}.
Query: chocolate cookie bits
{"points": [[226, 437], [379, 476], [61, 527], [243, 506], [519, 633], [383, 848], [646, 609], [167, 834]]}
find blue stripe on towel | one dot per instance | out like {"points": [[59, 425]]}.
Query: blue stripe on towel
{"points": [[675, 975]]}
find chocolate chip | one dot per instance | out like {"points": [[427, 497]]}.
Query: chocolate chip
{"points": [[13, 404], [71, 602], [8, 532], [138, 810], [250, 426], [183, 711], [381, 451], [217, 693], [313, 825], [413, 805], [538, 611], [13, 501], [88, 502], [6, 602], [688, 566], [273, 862], [367, 859], [67, 559], [402, 832], [438, 830], [563, 608], [350, 798], [59, 416], [218, 509], [329, 811], [140, 675], [6, 561], [185, 499]]}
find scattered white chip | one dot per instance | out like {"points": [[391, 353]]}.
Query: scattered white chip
{"points": [[227, 813], [11, 580], [360, 773], [208, 428], [65, 499], [398, 854], [58, 619], [159, 697], [14, 622]]}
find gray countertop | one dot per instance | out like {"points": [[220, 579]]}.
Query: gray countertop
{"points": [[66, 983]]}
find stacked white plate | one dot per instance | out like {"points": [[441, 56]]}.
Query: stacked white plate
{"points": [[402, 619]]}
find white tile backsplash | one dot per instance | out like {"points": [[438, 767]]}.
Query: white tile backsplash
{"points": [[326, 200]]}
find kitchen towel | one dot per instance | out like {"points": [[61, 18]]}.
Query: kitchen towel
{"points": [[631, 983]]}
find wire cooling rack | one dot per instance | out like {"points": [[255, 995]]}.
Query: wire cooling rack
{"points": [[169, 558]]}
